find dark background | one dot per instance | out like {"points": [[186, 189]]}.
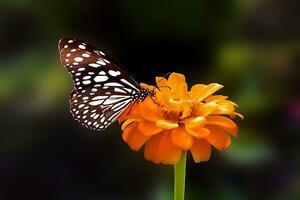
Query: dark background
{"points": [[250, 46]]}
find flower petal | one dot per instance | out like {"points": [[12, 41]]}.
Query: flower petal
{"points": [[186, 112], [234, 114], [130, 113], [181, 138], [195, 127], [194, 122], [148, 128], [181, 91], [160, 149], [175, 80], [206, 91], [152, 148], [149, 111], [146, 86], [197, 89], [198, 132], [218, 138], [223, 107], [216, 98], [201, 150], [161, 82], [135, 138], [166, 124], [208, 108], [126, 131], [223, 122], [126, 123], [168, 152]]}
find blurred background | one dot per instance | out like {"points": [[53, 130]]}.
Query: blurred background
{"points": [[250, 46]]}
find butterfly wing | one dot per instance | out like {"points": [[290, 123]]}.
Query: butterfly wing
{"points": [[102, 90]]}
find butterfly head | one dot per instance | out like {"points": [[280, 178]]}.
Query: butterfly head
{"points": [[144, 93]]}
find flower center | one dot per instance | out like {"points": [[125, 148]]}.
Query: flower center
{"points": [[176, 109]]}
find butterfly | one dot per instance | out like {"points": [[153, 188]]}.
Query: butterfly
{"points": [[102, 90]]}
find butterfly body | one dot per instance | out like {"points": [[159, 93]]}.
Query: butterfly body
{"points": [[102, 90]]}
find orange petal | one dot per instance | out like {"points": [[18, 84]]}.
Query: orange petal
{"points": [[163, 86], [206, 91], [126, 131], [186, 112], [201, 150], [194, 122], [223, 122], [215, 98], [181, 91], [161, 82], [126, 123], [135, 138], [166, 124], [149, 111], [146, 86], [130, 113], [160, 149], [208, 108], [234, 114], [181, 138], [152, 147], [195, 127], [218, 138], [223, 107], [197, 89], [148, 128], [168, 152], [175, 80], [198, 132]]}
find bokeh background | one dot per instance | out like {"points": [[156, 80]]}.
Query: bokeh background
{"points": [[250, 46]]}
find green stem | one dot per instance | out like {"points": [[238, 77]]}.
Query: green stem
{"points": [[179, 178]]}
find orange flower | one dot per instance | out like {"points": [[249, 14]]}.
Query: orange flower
{"points": [[177, 120]]}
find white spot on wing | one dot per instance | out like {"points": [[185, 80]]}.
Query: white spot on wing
{"points": [[86, 82], [99, 97], [113, 84], [119, 90], [101, 62], [86, 77], [106, 61], [114, 73], [95, 103], [129, 84], [94, 65], [81, 46], [78, 59], [100, 78]]}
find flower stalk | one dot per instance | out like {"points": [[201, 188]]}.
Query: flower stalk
{"points": [[179, 177]]}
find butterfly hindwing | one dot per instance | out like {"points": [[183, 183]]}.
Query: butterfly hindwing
{"points": [[102, 90]]}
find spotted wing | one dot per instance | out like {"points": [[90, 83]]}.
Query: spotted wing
{"points": [[102, 90]]}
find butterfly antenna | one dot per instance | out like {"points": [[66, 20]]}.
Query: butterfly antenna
{"points": [[162, 79]]}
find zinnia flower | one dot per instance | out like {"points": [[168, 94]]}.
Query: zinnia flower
{"points": [[177, 120]]}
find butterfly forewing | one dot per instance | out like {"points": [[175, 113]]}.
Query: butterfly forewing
{"points": [[102, 90]]}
